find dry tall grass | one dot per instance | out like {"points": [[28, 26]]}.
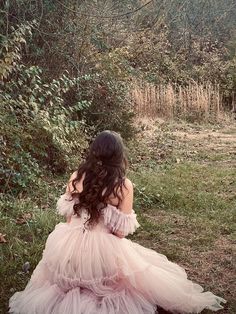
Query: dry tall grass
{"points": [[195, 101]]}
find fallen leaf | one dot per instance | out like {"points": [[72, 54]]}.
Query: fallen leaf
{"points": [[2, 238], [23, 218]]}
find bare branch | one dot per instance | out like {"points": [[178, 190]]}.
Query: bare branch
{"points": [[106, 16]]}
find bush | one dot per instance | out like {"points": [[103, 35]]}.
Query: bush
{"points": [[37, 130], [110, 105]]}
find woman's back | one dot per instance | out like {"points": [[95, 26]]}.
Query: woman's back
{"points": [[126, 203]]}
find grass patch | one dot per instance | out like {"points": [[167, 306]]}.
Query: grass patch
{"points": [[188, 213], [190, 189], [26, 223]]}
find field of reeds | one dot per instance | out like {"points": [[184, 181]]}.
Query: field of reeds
{"points": [[194, 102]]}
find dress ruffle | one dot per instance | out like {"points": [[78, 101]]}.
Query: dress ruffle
{"points": [[91, 271], [65, 205], [118, 221], [114, 219], [50, 299]]}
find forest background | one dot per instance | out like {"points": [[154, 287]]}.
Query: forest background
{"points": [[70, 69]]}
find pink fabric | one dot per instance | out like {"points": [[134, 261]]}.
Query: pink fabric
{"points": [[91, 271], [114, 219], [65, 205]]}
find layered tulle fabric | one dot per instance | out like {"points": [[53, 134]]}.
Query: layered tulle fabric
{"points": [[92, 271], [65, 205], [114, 219]]}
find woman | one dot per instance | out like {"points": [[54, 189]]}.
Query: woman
{"points": [[88, 266]]}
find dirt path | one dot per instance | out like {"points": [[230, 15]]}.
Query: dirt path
{"points": [[221, 140], [192, 141]]}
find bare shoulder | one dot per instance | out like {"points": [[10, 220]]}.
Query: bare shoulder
{"points": [[128, 187], [73, 176], [126, 205], [128, 184]]}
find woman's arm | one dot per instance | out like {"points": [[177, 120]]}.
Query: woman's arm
{"points": [[68, 219], [69, 189], [126, 205]]}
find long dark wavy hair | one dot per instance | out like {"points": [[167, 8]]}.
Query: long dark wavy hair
{"points": [[104, 169]]}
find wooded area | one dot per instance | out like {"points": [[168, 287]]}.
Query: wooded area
{"points": [[69, 69]]}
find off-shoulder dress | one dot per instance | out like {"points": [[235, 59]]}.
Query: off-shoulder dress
{"points": [[92, 271]]}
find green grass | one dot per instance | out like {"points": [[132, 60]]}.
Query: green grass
{"points": [[25, 242], [186, 210], [190, 189], [199, 194]]}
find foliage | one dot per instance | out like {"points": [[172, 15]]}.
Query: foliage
{"points": [[168, 64], [110, 106], [162, 42], [33, 109], [61, 112]]}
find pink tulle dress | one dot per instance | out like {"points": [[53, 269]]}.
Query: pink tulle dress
{"points": [[92, 271]]}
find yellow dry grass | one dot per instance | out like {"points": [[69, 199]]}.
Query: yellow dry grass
{"points": [[195, 101]]}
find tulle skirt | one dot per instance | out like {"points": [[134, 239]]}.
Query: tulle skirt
{"points": [[92, 271]]}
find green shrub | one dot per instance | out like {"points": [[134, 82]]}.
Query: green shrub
{"points": [[38, 132], [108, 93]]}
